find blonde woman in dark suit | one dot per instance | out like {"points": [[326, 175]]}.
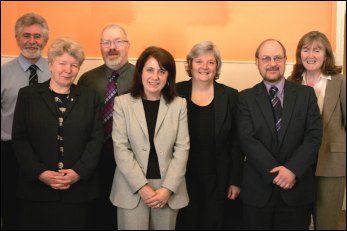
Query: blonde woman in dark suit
{"points": [[151, 143], [57, 138], [315, 67]]}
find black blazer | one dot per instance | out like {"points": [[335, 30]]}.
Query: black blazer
{"points": [[296, 149], [228, 156], [34, 138]]}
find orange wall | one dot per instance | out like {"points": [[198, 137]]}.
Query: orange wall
{"points": [[236, 27]]}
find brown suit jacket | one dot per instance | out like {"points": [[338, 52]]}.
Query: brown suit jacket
{"points": [[332, 153]]}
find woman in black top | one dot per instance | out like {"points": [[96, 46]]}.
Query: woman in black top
{"points": [[214, 164]]}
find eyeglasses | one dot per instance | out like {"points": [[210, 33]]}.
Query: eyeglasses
{"points": [[35, 36], [117, 43], [267, 59]]}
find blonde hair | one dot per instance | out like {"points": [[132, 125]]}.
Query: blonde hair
{"points": [[66, 45], [202, 48]]}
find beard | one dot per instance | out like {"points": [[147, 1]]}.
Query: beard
{"points": [[273, 78], [30, 55], [113, 59], [113, 63]]}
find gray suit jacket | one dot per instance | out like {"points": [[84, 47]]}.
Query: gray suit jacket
{"points": [[131, 144], [332, 153]]}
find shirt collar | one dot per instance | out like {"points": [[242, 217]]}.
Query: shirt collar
{"points": [[120, 70], [25, 64], [328, 77], [279, 84]]}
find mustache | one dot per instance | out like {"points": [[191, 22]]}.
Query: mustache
{"points": [[113, 52], [32, 46], [272, 69]]}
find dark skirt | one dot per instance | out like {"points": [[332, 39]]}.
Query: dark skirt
{"points": [[54, 215]]}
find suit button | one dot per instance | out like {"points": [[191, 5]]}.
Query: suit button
{"points": [[163, 169], [161, 153]]}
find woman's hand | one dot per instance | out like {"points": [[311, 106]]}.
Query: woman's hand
{"points": [[160, 198]]}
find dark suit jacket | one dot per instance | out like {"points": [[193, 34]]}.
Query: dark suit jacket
{"points": [[296, 149], [228, 157], [34, 137], [97, 79]]}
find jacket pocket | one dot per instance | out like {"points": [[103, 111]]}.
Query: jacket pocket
{"points": [[338, 147]]}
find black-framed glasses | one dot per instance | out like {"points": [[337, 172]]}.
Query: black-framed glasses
{"points": [[117, 43], [267, 59]]}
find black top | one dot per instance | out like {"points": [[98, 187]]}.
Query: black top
{"points": [[60, 102], [151, 112], [201, 127]]}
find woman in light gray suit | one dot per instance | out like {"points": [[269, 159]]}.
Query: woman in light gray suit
{"points": [[151, 145], [315, 67]]}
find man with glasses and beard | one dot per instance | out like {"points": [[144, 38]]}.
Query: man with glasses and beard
{"points": [[31, 33], [112, 78], [280, 131]]}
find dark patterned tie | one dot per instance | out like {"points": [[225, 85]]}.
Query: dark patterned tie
{"points": [[277, 108], [33, 75], [111, 92]]}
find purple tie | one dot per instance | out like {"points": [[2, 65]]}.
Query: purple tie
{"points": [[111, 92], [277, 108]]}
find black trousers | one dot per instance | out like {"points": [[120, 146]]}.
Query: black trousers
{"points": [[277, 215], [105, 212], [205, 210], [9, 181]]}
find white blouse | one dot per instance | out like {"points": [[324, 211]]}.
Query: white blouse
{"points": [[319, 89]]}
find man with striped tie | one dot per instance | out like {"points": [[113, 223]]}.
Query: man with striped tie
{"points": [[280, 131], [112, 78], [31, 32]]}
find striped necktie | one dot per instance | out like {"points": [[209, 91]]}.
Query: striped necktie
{"points": [[33, 79], [111, 92], [277, 108]]}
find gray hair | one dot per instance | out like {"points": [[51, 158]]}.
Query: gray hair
{"points": [[202, 48], [30, 19], [66, 45]]}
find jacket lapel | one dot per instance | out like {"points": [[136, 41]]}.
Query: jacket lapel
{"points": [[288, 105], [264, 104], [221, 106], [139, 113], [74, 95], [163, 107], [330, 100], [46, 94]]}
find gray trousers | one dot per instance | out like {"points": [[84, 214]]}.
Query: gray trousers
{"points": [[143, 217]]}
